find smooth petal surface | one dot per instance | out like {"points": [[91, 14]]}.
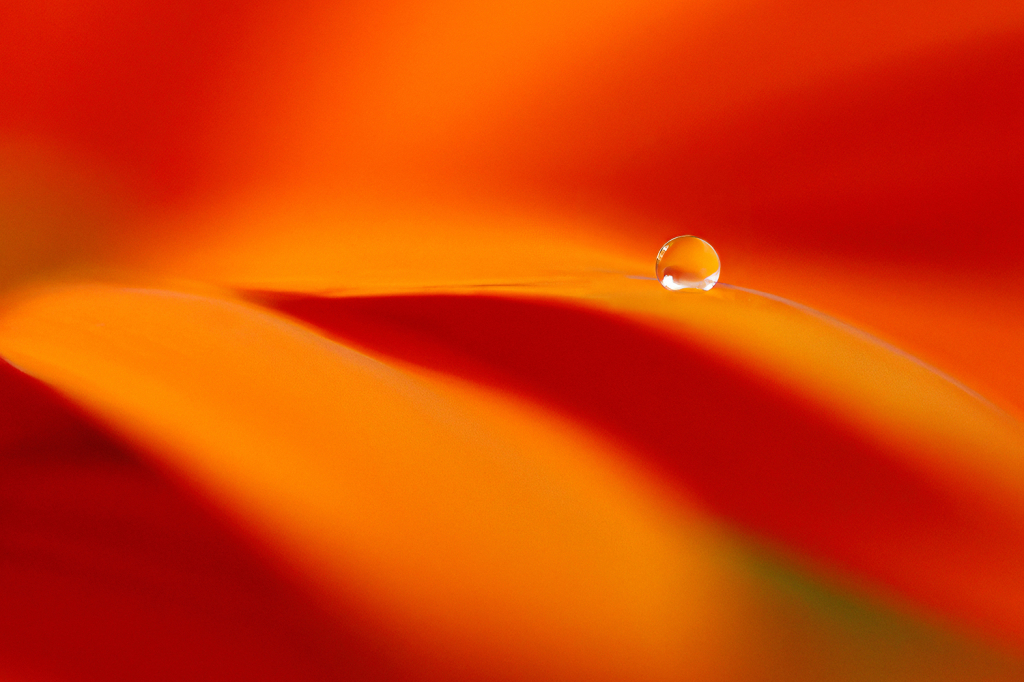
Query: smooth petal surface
{"points": [[487, 542], [112, 569], [493, 538], [835, 444]]}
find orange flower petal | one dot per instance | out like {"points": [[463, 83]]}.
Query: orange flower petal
{"points": [[831, 443], [484, 531], [111, 570], [486, 537]]}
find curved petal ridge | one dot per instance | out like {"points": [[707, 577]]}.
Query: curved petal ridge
{"points": [[490, 536], [778, 448], [111, 570], [486, 543]]}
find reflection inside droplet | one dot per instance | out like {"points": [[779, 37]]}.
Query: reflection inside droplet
{"points": [[687, 262]]}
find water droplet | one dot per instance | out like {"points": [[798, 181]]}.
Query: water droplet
{"points": [[687, 262]]}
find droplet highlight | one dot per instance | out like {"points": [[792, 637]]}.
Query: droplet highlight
{"points": [[687, 263]]}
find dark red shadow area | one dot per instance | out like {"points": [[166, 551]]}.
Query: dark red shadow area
{"points": [[109, 571], [755, 454]]}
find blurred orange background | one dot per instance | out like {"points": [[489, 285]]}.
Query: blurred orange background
{"points": [[335, 350]]}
